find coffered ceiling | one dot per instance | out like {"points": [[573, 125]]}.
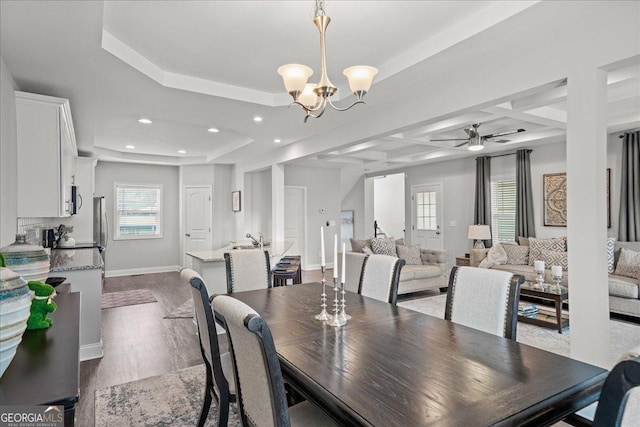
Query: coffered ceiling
{"points": [[192, 65]]}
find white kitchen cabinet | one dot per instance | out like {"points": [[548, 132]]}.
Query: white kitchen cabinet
{"points": [[46, 155]]}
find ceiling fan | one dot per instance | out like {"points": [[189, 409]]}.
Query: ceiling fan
{"points": [[476, 141]]}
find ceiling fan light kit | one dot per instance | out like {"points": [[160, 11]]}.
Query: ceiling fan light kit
{"points": [[314, 98]]}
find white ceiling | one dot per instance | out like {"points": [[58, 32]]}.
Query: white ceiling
{"points": [[190, 65]]}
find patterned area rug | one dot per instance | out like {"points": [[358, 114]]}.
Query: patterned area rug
{"points": [[173, 399], [624, 336], [122, 298]]}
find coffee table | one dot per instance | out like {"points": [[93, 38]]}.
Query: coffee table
{"points": [[547, 293]]}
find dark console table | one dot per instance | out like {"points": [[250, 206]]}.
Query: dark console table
{"points": [[45, 369]]}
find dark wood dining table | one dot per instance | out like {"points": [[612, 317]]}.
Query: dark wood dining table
{"points": [[390, 366]]}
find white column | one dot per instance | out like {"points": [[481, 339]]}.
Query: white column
{"points": [[277, 202], [586, 214]]}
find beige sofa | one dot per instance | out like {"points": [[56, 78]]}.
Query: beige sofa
{"points": [[431, 275], [624, 292]]}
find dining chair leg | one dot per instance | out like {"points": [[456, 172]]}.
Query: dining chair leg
{"points": [[223, 411], [206, 404]]}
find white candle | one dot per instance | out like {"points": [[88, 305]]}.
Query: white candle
{"points": [[538, 265], [344, 265], [322, 260], [335, 256], [556, 271]]}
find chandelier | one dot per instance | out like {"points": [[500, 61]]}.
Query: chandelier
{"points": [[313, 98]]}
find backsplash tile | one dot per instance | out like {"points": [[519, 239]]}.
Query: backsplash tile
{"points": [[32, 226]]}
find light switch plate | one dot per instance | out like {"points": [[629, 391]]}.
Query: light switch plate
{"points": [[452, 223]]}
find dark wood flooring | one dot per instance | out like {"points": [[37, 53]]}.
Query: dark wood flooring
{"points": [[138, 342]]}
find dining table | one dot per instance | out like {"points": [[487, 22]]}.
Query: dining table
{"points": [[391, 366]]}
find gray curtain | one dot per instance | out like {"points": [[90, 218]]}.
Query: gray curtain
{"points": [[629, 224], [525, 226], [482, 210]]}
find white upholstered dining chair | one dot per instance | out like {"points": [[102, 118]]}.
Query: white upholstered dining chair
{"points": [[247, 270], [484, 299], [261, 394], [380, 277], [220, 382]]}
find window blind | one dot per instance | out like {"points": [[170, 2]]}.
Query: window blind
{"points": [[503, 210], [138, 211]]}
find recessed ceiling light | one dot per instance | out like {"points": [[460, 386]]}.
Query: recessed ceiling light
{"points": [[145, 121], [130, 147], [277, 140], [213, 130], [182, 152], [257, 119]]}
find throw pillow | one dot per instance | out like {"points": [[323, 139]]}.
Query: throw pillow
{"points": [[523, 241], [357, 245], [411, 254], [367, 250], [538, 246], [496, 255], [611, 245], [628, 264], [384, 247], [517, 255], [400, 241], [552, 258]]}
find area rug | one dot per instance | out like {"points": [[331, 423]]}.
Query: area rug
{"points": [[173, 399], [122, 298], [623, 336]]}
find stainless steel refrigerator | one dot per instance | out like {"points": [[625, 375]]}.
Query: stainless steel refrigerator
{"points": [[100, 225]]}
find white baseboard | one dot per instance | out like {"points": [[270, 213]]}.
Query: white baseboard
{"points": [[147, 270], [91, 351]]}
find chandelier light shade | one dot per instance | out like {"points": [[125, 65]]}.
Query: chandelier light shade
{"points": [[313, 98]]}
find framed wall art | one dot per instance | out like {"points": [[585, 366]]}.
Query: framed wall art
{"points": [[235, 201]]}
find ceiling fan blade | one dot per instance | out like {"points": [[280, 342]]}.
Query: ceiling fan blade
{"points": [[509, 132], [455, 139], [468, 131], [501, 141], [460, 145]]}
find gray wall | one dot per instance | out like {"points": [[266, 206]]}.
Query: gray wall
{"points": [[260, 204], [146, 253], [323, 192], [223, 220], [354, 201], [8, 157]]}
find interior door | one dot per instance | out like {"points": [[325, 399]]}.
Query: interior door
{"points": [[197, 236], [426, 207], [295, 199]]}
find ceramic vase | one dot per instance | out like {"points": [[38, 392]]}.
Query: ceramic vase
{"points": [[15, 305], [27, 260]]}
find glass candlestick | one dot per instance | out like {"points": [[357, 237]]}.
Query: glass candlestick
{"points": [[335, 320], [539, 280], [557, 280], [343, 312], [323, 315]]}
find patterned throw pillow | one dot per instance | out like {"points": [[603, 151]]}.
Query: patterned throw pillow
{"points": [[411, 254], [517, 255], [538, 246], [611, 246], [384, 247], [496, 255], [628, 264], [552, 258], [358, 245]]}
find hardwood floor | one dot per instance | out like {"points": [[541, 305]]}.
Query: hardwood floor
{"points": [[138, 342]]}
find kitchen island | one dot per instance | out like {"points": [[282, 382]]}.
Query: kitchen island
{"points": [[210, 264], [82, 268]]}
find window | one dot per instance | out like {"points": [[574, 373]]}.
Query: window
{"points": [[426, 210], [503, 209], [138, 211]]}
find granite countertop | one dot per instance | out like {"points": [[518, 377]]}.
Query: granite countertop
{"points": [[276, 249], [75, 259]]}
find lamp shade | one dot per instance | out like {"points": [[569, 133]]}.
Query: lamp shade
{"points": [[308, 97], [479, 232], [295, 76], [360, 77]]}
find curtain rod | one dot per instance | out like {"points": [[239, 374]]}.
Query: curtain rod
{"points": [[628, 131], [502, 155]]}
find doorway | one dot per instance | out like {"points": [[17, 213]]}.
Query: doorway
{"points": [[197, 221], [295, 221], [426, 215]]}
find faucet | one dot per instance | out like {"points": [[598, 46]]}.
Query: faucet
{"points": [[255, 242]]}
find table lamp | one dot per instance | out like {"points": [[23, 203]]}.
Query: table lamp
{"points": [[479, 233]]}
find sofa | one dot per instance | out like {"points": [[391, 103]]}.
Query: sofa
{"points": [[430, 274], [624, 291]]}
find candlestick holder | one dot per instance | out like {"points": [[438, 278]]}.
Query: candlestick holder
{"points": [[343, 312], [335, 320], [539, 280], [557, 280], [323, 315]]}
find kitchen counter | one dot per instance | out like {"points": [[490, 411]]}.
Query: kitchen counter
{"points": [[276, 249], [75, 259]]}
